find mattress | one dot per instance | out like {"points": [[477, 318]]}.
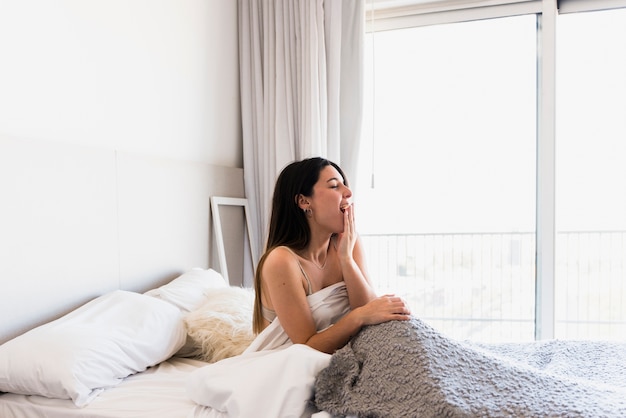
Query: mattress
{"points": [[158, 392]]}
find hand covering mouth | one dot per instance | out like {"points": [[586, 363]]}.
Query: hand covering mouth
{"points": [[344, 207]]}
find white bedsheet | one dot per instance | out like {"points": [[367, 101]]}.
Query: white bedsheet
{"points": [[158, 392], [273, 377], [276, 383]]}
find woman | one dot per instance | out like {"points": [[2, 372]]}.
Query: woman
{"points": [[312, 296], [314, 256]]}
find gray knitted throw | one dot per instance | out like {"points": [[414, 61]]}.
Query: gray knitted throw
{"points": [[407, 369]]}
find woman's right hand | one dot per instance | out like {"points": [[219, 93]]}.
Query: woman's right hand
{"points": [[384, 308]]}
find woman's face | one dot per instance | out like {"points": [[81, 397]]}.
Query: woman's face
{"points": [[330, 197]]}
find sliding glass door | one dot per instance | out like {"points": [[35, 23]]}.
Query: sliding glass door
{"points": [[451, 127], [591, 176], [446, 195]]}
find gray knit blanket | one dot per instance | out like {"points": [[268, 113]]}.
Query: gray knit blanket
{"points": [[407, 369]]}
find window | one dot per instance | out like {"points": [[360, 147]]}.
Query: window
{"points": [[450, 148], [591, 175], [450, 220]]}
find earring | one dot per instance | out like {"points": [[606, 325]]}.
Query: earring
{"points": [[308, 212]]}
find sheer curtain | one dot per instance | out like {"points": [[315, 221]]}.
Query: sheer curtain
{"points": [[301, 89]]}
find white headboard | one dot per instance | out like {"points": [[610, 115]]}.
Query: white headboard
{"points": [[77, 222]]}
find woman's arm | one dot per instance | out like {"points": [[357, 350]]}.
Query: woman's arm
{"points": [[360, 288], [282, 281], [284, 292], [381, 309]]}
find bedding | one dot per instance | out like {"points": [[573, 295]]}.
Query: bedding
{"points": [[201, 301], [92, 348], [221, 327], [407, 369], [272, 375], [158, 392], [274, 383], [189, 290], [119, 357]]}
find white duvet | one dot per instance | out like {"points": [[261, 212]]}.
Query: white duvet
{"points": [[273, 377]]}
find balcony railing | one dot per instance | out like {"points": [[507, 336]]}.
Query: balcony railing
{"points": [[481, 286], [591, 285]]}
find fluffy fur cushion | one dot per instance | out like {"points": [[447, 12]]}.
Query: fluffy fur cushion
{"points": [[222, 326]]}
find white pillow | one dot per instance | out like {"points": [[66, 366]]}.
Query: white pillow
{"points": [[91, 348], [188, 290], [222, 326]]}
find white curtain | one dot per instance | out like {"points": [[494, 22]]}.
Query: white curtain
{"points": [[301, 90]]}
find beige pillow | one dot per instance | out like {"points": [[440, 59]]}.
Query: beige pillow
{"points": [[222, 326]]}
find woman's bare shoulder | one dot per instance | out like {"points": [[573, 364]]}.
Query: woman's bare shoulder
{"points": [[281, 253], [280, 260]]}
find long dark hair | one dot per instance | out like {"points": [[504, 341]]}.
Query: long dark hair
{"points": [[288, 225]]}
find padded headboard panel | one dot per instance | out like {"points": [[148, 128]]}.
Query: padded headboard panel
{"points": [[77, 222]]}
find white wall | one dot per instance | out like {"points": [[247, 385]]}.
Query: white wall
{"points": [[156, 76], [118, 120]]}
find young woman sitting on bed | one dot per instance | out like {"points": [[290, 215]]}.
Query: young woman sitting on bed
{"points": [[313, 273], [313, 295]]}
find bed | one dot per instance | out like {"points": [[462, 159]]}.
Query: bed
{"points": [[124, 354], [131, 355], [179, 351]]}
